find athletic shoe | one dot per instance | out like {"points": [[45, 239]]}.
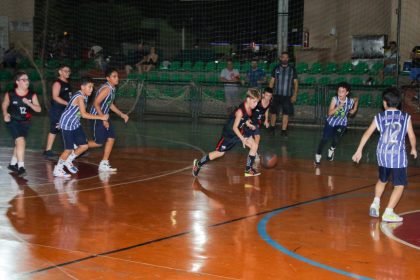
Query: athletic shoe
{"points": [[251, 172], [59, 172], [49, 154], [318, 159], [104, 166], [196, 168], [391, 218], [70, 167], [21, 171], [330, 155], [13, 168], [374, 210]]}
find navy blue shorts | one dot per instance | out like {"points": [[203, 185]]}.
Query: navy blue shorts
{"points": [[18, 129], [55, 115], [252, 133], [283, 102], [226, 144], [331, 131], [100, 133], [399, 175], [73, 137]]}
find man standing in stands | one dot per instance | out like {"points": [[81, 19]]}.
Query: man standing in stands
{"points": [[255, 76], [284, 82], [231, 78], [415, 65]]}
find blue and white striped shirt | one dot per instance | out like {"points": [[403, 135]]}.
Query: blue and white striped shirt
{"points": [[70, 119], [390, 152], [340, 117], [106, 103]]}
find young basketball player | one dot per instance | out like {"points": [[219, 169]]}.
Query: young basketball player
{"points": [[61, 93], [17, 106], [336, 123], [233, 133], [103, 131], [260, 114], [393, 125], [72, 131]]}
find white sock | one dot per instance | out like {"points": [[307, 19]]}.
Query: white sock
{"points": [[13, 161], [71, 157], [60, 163], [21, 164], [377, 200], [389, 211]]}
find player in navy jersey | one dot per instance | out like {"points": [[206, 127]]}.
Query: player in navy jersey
{"points": [[17, 106], [72, 131], [260, 114], [103, 131], [61, 93], [233, 133], [393, 125], [336, 123]]}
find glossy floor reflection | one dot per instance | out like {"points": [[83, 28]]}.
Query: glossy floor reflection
{"points": [[153, 220]]}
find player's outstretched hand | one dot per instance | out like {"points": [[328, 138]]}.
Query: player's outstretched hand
{"points": [[357, 156], [413, 153], [124, 117]]}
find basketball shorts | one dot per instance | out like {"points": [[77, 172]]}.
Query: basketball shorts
{"points": [[100, 133], [73, 137], [332, 131], [18, 129], [399, 175], [226, 144], [282, 103]]}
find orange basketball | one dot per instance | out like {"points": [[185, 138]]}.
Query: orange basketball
{"points": [[268, 160]]}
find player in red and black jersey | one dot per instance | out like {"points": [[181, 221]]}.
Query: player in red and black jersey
{"points": [[17, 107]]}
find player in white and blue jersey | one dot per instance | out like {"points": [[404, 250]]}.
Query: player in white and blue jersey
{"points": [[393, 125], [103, 131], [336, 122], [72, 131]]}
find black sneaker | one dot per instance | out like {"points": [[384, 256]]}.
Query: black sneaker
{"points": [[13, 168], [196, 168], [251, 172], [49, 154], [21, 171]]}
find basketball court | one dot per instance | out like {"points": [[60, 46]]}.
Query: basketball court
{"points": [[153, 220]]}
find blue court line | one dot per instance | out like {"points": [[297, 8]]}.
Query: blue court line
{"points": [[264, 235]]}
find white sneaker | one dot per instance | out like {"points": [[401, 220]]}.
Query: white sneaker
{"points": [[374, 210], [330, 155], [105, 167], [70, 167], [391, 218], [318, 159], [59, 172]]}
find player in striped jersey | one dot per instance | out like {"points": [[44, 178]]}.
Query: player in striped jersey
{"points": [[103, 131], [393, 126], [336, 123], [72, 130]]}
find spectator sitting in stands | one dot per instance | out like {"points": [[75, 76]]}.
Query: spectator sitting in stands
{"points": [[390, 61], [255, 76], [134, 61], [415, 65], [149, 62]]}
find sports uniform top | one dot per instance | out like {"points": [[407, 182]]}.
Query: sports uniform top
{"points": [[70, 119], [106, 103], [18, 110], [340, 116], [258, 114], [390, 152], [228, 127], [65, 93]]}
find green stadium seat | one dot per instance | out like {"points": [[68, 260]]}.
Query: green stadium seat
{"points": [[201, 78], [389, 81], [316, 68], [263, 65], [219, 95], [309, 80], [330, 68], [340, 80], [164, 77], [187, 66], [213, 79], [325, 80], [302, 98], [345, 68], [153, 76], [211, 66], [356, 81], [175, 66], [364, 100], [5, 75], [198, 66], [187, 77], [361, 68], [376, 67], [236, 65], [302, 67], [245, 66]]}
